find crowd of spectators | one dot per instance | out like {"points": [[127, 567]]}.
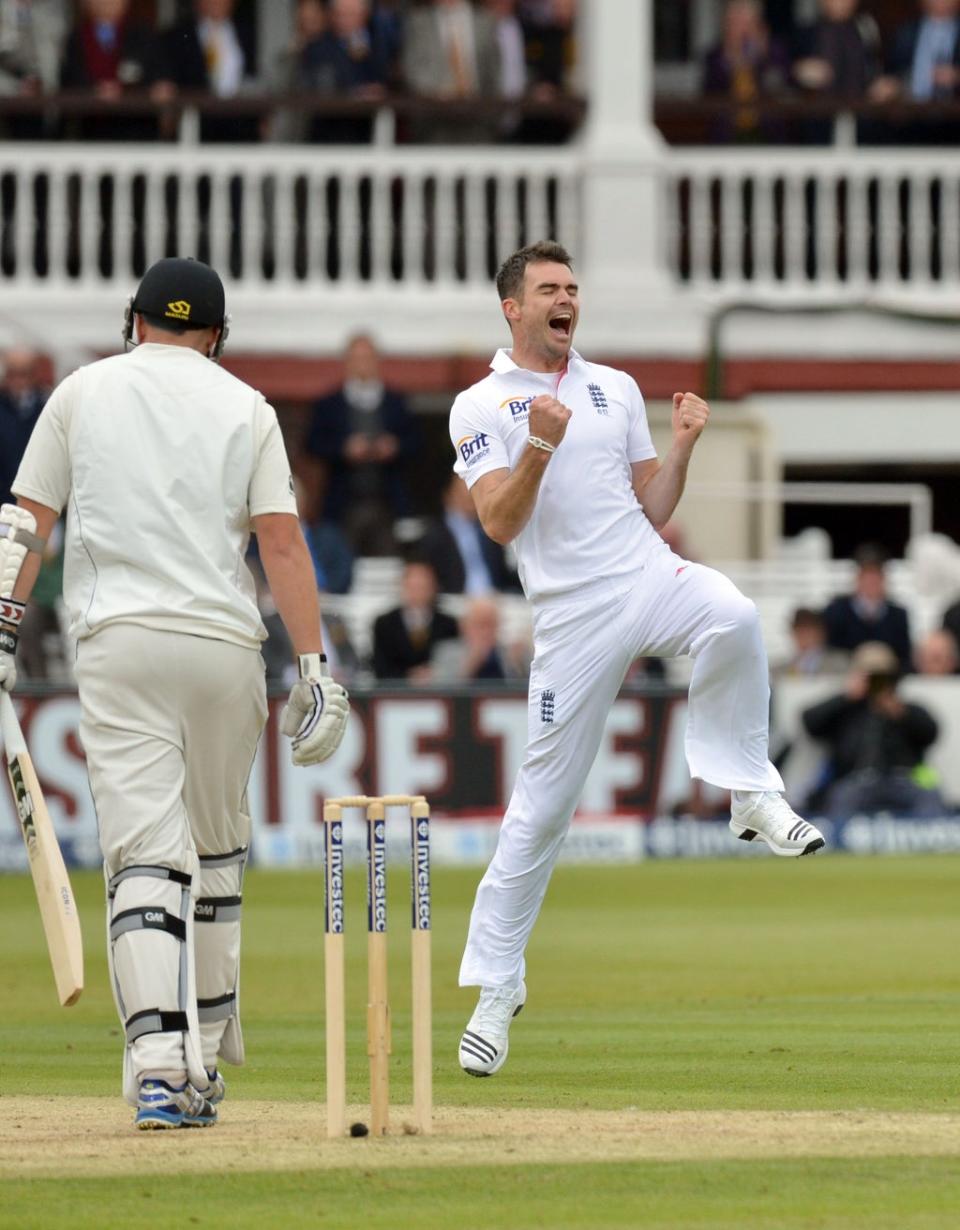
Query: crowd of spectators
{"points": [[841, 55], [336, 49]]}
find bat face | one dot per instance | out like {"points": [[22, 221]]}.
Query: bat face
{"points": [[58, 909], [24, 804]]}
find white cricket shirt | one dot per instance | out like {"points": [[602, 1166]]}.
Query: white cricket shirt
{"points": [[586, 523], [161, 458]]}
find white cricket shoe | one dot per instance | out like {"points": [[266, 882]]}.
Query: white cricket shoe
{"points": [[483, 1047], [768, 815]]}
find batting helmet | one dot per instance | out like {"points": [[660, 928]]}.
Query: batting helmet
{"points": [[185, 292]]}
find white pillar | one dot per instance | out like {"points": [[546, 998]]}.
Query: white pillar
{"points": [[623, 267]]}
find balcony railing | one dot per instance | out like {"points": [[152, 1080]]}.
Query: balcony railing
{"points": [[824, 223], [331, 238]]}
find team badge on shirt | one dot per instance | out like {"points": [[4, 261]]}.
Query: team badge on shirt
{"points": [[519, 408], [599, 399], [547, 705], [473, 448]]}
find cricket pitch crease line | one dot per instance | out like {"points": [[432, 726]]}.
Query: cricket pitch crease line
{"points": [[265, 1136]]}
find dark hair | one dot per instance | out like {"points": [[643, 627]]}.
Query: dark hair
{"points": [[806, 617], [510, 277], [871, 555], [172, 326]]}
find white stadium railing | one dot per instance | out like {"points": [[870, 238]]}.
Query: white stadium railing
{"points": [[822, 222], [300, 218], [826, 223]]}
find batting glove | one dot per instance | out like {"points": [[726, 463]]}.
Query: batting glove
{"points": [[10, 615], [315, 716]]}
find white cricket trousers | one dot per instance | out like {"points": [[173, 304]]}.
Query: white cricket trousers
{"points": [[170, 725], [584, 642]]}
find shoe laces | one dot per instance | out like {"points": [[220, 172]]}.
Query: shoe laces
{"points": [[494, 1010]]}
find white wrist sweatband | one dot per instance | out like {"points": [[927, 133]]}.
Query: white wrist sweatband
{"points": [[542, 444], [311, 665]]}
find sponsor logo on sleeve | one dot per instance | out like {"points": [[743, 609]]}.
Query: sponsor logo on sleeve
{"points": [[473, 449]]}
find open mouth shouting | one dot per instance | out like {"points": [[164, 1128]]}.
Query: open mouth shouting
{"points": [[561, 325]]}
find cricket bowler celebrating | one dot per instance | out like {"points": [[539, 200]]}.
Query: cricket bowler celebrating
{"points": [[165, 463], [558, 458]]}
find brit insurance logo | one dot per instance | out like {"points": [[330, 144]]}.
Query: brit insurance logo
{"points": [[473, 448], [519, 408]]}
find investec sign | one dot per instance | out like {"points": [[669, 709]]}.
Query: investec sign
{"points": [[421, 874], [377, 907], [334, 920]]}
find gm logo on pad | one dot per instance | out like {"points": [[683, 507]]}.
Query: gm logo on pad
{"points": [[473, 448], [178, 310]]}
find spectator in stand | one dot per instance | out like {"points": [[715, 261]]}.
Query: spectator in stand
{"points": [[747, 65], [404, 639], [840, 55], [480, 635], [347, 60], [212, 52], [329, 550], [358, 442], [924, 65], [868, 614], [112, 55], [309, 24], [811, 656], [936, 654], [32, 34], [450, 52], [551, 49], [513, 58], [23, 394], [876, 744], [466, 561]]}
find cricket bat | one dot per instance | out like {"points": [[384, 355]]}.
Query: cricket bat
{"points": [[58, 909]]}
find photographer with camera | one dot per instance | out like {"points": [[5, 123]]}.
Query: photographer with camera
{"points": [[876, 744]]}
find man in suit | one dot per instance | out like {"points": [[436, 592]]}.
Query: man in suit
{"points": [[211, 51], [110, 55], [404, 638], [359, 440], [450, 52], [924, 65], [465, 559], [868, 614]]}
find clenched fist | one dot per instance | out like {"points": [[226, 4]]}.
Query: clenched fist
{"points": [[549, 419], [690, 414]]}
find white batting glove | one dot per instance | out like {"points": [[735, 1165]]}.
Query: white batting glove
{"points": [[315, 716]]}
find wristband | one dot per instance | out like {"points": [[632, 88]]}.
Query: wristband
{"points": [[310, 665], [8, 640], [542, 444], [11, 612]]}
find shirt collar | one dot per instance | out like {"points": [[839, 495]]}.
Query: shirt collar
{"points": [[502, 362]]}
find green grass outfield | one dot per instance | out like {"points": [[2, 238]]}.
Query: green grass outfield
{"points": [[820, 985]]}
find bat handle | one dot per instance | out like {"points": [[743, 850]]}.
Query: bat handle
{"points": [[13, 740]]}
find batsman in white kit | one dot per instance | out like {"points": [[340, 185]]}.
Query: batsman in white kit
{"points": [[165, 463], [557, 454]]}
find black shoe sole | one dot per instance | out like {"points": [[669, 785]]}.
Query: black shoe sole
{"points": [[815, 845]]}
